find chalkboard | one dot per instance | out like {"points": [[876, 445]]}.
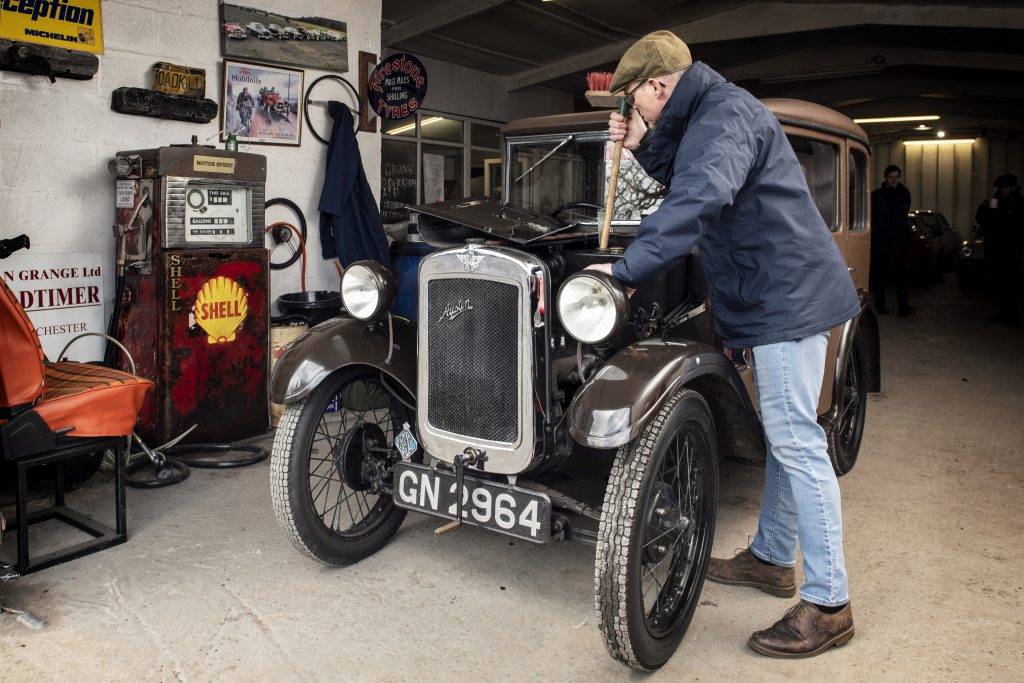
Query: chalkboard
{"points": [[398, 181]]}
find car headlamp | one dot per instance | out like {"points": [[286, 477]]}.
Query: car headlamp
{"points": [[592, 306], [367, 290]]}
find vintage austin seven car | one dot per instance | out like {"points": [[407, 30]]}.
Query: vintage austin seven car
{"points": [[526, 378]]}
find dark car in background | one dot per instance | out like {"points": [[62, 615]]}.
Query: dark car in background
{"points": [[946, 238], [933, 245], [970, 262]]}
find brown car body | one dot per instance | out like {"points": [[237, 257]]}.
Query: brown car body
{"points": [[489, 393]]}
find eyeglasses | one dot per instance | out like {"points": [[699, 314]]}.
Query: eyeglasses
{"points": [[630, 97]]}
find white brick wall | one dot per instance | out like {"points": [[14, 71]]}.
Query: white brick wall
{"points": [[55, 140]]}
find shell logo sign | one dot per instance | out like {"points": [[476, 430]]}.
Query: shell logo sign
{"points": [[220, 309]]}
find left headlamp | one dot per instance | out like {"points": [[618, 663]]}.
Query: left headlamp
{"points": [[367, 290]]}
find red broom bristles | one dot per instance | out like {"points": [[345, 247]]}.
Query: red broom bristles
{"points": [[599, 80]]}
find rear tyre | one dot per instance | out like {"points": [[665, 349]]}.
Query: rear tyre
{"points": [[846, 432], [331, 457], [657, 526]]}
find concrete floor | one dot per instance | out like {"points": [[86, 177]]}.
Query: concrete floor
{"points": [[208, 588]]}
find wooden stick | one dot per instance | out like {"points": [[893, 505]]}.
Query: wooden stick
{"points": [[613, 182]]}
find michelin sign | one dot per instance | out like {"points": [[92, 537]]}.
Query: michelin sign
{"points": [[71, 24]]}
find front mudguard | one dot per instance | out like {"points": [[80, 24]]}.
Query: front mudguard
{"points": [[625, 394], [341, 342]]}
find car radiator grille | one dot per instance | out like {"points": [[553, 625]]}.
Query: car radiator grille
{"points": [[473, 359]]}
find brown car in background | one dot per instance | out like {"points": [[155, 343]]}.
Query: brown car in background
{"points": [[533, 398]]}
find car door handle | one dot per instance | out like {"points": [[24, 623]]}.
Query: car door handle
{"points": [[852, 269]]}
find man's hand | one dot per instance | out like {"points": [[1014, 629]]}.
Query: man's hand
{"points": [[631, 132], [607, 269]]}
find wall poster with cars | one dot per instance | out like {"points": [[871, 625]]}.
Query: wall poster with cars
{"points": [[262, 35], [260, 104]]}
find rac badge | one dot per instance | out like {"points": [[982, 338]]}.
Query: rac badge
{"points": [[405, 442], [220, 309]]}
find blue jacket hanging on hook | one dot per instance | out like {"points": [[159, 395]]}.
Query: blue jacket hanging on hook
{"points": [[350, 227]]}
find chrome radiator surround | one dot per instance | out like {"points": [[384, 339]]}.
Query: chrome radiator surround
{"points": [[490, 264]]}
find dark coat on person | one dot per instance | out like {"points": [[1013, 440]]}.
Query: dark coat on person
{"points": [[350, 225], [736, 191], [890, 231], [1002, 228]]}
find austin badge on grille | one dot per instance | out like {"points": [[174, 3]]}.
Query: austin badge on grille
{"points": [[470, 259]]}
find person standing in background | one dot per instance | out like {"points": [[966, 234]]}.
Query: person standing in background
{"points": [[890, 237], [1001, 223]]}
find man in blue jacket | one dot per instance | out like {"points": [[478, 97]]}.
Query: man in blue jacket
{"points": [[777, 283]]}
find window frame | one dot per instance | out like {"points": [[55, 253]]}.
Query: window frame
{"points": [[466, 146]]}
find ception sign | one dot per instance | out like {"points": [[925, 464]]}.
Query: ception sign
{"points": [[397, 86], [71, 24]]}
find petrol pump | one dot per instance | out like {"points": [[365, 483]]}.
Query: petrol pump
{"points": [[193, 281]]}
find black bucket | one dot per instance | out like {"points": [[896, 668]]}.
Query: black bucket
{"points": [[314, 307]]}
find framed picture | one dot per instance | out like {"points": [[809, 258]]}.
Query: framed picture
{"points": [[261, 104], [267, 36]]}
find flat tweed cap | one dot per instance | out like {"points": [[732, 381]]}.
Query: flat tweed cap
{"points": [[656, 54]]}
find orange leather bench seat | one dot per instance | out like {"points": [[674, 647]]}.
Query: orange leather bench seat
{"points": [[95, 400]]}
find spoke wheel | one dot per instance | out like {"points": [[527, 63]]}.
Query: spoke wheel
{"points": [[656, 532], [846, 433], [331, 458]]}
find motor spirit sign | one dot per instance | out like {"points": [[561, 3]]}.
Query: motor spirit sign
{"points": [[63, 296], [397, 86]]}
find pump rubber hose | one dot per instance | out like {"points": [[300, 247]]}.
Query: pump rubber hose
{"points": [[109, 354], [192, 454]]}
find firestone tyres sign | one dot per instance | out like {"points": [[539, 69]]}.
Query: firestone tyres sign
{"points": [[397, 86], [63, 296], [71, 24]]}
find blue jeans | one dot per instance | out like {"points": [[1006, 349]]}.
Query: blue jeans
{"points": [[801, 493]]}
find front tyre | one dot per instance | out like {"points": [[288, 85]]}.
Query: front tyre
{"points": [[657, 527], [330, 464]]}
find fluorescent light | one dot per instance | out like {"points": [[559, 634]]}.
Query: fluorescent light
{"points": [[410, 126], [899, 119], [922, 127], [943, 141]]}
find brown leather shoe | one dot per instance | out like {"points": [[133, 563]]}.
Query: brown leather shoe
{"points": [[743, 569], [805, 631]]}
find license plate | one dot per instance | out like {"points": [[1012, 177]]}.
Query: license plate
{"points": [[506, 509]]}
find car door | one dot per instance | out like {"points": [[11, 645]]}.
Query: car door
{"points": [[857, 226]]}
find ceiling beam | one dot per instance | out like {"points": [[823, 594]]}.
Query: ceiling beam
{"points": [[437, 16], [601, 55], [549, 14], [738, 21], [806, 62], [851, 91]]}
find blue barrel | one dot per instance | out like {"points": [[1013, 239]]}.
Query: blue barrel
{"points": [[405, 260]]}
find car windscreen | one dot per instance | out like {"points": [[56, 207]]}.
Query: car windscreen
{"points": [[931, 223], [568, 177]]}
